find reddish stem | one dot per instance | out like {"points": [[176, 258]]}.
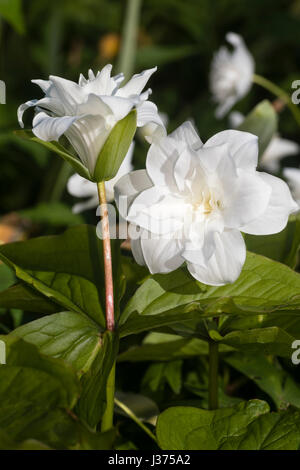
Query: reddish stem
{"points": [[109, 286]]}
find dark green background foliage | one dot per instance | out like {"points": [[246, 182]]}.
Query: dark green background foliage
{"points": [[52, 287]]}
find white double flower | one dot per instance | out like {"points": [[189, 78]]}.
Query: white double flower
{"points": [[193, 201]]}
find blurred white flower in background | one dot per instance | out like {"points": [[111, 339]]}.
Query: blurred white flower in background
{"points": [[193, 201], [80, 187], [231, 74], [277, 149], [292, 176], [86, 112]]}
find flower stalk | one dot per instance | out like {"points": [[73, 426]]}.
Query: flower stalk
{"points": [[213, 375], [107, 420], [109, 286]]}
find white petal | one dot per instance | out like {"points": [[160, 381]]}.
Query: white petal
{"points": [[87, 136], [136, 84], [120, 106], [157, 211], [67, 92], [136, 248], [80, 187], [147, 113], [225, 265], [51, 128], [161, 255], [49, 104], [187, 133], [243, 147], [276, 214], [128, 187], [246, 201], [161, 159]]}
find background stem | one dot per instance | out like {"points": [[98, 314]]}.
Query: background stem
{"points": [[213, 375], [127, 54], [131, 414], [277, 91], [108, 416]]}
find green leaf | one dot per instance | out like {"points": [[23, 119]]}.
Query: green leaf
{"points": [[66, 268], [11, 11], [269, 376], [55, 214], [262, 121], [115, 148], [59, 150], [142, 406], [23, 297], [283, 246], [7, 277], [269, 340], [264, 286], [246, 426], [65, 335], [163, 372], [92, 402], [34, 392], [189, 428]]}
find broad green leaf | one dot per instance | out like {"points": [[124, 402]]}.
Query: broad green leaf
{"points": [[33, 388], [23, 297], [52, 213], [283, 246], [115, 148], [264, 286], [92, 402], [11, 11], [20, 354], [246, 426], [262, 121], [189, 428], [66, 268], [269, 376], [65, 335], [59, 150]]}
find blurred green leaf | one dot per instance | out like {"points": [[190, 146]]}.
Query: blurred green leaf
{"points": [[283, 246], [262, 121], [160, 373], [7, 277], [59, 150], [11, 11], [148, 56], [52, 213], [23, 297], [269, 376], [115, 148]]}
